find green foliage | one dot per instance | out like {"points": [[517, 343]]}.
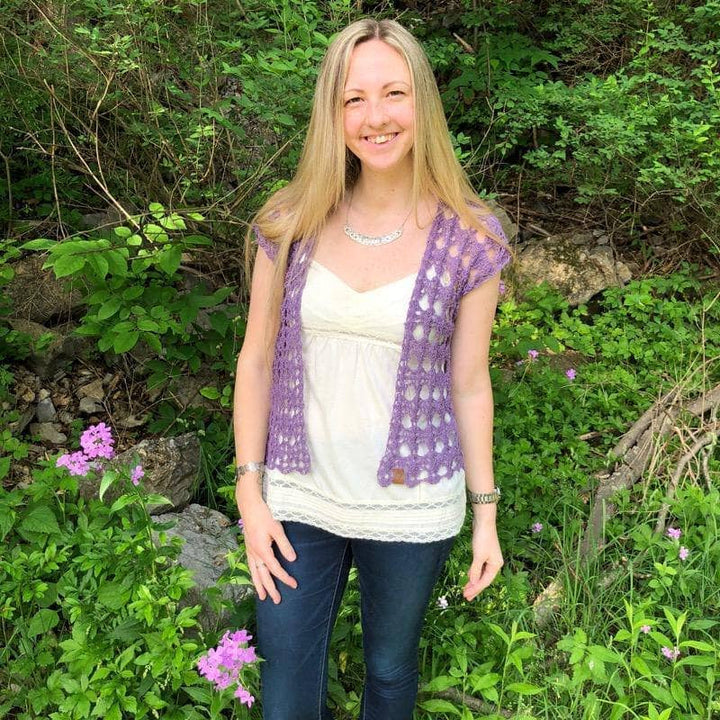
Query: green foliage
{"points": [[134, 293], [92, 620]]}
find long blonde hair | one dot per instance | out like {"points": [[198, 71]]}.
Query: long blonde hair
{"points": [[327, 168]]}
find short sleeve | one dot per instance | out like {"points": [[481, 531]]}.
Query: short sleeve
{"points": [[270, 248], [487, 256]]}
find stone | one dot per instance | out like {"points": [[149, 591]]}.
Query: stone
{"points": [[45, 411], [208, 537], [509, 227], [48, 348], [186, 390], [574, 265], [171, 466], [48, 432], [93, 390], [88, 406], [36, 295]]}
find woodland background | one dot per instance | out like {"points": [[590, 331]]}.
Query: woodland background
{"points": [[137, 138]]}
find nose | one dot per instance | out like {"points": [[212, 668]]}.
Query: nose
{"points": [[377, 114]]}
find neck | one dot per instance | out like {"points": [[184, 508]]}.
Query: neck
{"points": [[377, 193]]}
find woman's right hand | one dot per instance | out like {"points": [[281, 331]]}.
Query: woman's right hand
{"points": [[261, 530]]}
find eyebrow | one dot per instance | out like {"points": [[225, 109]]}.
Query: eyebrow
{"points": [[392, 82]]}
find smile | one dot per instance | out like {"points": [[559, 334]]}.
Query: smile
{"points": [[381, 139]]}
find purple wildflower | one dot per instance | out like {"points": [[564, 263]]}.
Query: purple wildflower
{"points": [[442, 602], [670, 653], [683, 553], [532, 354], [673, 533], [241, 525], [97, 441], [645, 629], [76, 463], [537, 527], [136, 474], [570, 374], [222, 665], [501, 288]]}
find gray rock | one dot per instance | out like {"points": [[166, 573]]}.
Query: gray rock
{"points": [[49, 348], [208, 537], [171, 467], [48, 432], [88, 406], [45, 411], [572, 264], [509, 227], [93, 390]]}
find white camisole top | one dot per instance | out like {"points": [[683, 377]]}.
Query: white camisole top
{"points": [[352, 344]]}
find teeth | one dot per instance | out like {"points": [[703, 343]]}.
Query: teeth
{"points": [[380, 139]]}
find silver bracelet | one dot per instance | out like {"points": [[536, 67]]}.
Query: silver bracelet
{"points": [[241, 470], [483, 498]]}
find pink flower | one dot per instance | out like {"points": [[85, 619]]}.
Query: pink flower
{"points": [[645, 629], [570, 374], [136, 474], [532, 354], [683, 553], [241, 525], [501, 288], [97, 441], [673, 533], [537, 527], [222, 665], [76, 463], [671, 654]]}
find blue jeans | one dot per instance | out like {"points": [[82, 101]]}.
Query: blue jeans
{"points": [[396, 581]]}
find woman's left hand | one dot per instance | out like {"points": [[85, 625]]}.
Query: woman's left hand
{"points": [[487, 556]]}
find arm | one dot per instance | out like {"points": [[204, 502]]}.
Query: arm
{"points": [[473, 405], [251, 408]]}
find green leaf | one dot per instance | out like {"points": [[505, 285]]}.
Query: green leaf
{"points": [[40, 519], [123, 232], [210, 392], [641, 666], [67, 265], [108, 478], [523, 688], [125, 341], [200, 695], [156, 207], [39, 244], [169, 259], [605, 654], [147, 325], [439, 706], [678, 693], [121, 502], [661, 694], [111, 595], [43, 621], [109, 308], [7, 519], [5, 466], [440, 683], [117, 262]]}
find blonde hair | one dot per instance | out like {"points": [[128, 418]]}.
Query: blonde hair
{"points": [[327, 168]]}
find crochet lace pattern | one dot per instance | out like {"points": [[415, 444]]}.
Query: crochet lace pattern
{"points": [[423, 444]]}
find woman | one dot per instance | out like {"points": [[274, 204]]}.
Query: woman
{"points": [[363, 403]]}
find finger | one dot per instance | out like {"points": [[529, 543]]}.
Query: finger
{"points": [[256, 580], [268, 582], [283, 544], [275, 568]]}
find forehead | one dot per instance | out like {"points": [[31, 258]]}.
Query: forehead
{"points": [[376, 62]]}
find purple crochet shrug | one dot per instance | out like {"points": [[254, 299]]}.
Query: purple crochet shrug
{"points": [[422, 443]]}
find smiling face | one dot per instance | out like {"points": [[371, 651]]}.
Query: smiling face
{"points": [[379, 108]]}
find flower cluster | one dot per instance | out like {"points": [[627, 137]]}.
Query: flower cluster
{"points": [[671, 653], [442, 602], [97, 445], [222, 665], [536, 527], [533, 355], [673, 533]]}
